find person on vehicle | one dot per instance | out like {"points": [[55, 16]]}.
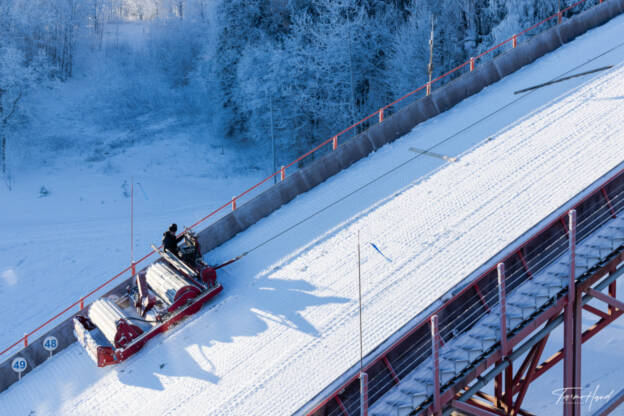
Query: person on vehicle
{"points": [[170, 241]]}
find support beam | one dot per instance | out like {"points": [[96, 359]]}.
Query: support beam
{"points": [[596, 311], [343, 409], [589, 332], [363, 394], [435, 346], [612, 293], [606, 197], [481, 298], [472, 410], [498, 389], [521, 377], [392, 372], [503, 308], [508, 396], [509, 386], [552, 318], [607, 299], [501, 365], [498, 382], [578, 345], [569, 329], [537, 355], [525, 364], [524, 264], [614, 274], [487, 397]]}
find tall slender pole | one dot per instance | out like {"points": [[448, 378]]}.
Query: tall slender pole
{"points": [[132, 224], [430, 66], [360, 298], [351, 72], [273, 139], [363, 375]]}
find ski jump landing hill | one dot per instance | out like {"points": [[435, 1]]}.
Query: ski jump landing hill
{"points": [[287, 326]]}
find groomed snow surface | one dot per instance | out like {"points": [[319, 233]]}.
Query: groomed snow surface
{"points": [[286, 324]]}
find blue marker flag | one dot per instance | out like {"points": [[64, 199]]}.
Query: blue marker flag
{"points": [[379, 251]]}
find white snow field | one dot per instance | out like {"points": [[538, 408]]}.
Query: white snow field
{"points": [[286, 324]]}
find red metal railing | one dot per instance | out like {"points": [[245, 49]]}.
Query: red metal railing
{"points": [[282, 172]]}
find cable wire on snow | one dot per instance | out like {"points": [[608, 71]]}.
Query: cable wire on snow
{"points": [[429, 149]]}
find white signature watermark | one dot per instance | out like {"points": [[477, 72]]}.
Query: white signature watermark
{"points": [[570, 394]]}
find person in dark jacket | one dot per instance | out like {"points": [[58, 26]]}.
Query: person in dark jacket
{"points": [[170, 241]]}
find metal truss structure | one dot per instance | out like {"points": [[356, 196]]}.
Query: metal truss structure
{"points": [[501, 321]]}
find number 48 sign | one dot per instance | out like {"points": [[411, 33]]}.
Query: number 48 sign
{"points": [[50, 343]]}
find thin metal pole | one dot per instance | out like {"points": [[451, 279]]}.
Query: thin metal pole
{"points": [[363, 375], [360, 299], [351, 72], [132, 223], [430, 66], [273, 139]]}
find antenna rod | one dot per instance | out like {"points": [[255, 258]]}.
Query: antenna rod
{"points": [[132, 223], [360, 293], [363, 375]]}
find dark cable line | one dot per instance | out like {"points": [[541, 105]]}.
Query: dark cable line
{"points": [[420, 155]]}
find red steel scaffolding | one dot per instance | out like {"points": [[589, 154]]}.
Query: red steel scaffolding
{"points": [[392, 370]]}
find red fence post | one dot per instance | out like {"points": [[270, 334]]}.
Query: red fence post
{"points": [[334, 142], [503, 308], [233, 203], [25, 340], [472, 64], [435, 346], [82, 304], [282, 173], [502, 293], [514, 41], [363, 394], [559, 17], [428, 88], [381, 115]]}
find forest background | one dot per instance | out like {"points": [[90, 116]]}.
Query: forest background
{"points": [[250, 72]]}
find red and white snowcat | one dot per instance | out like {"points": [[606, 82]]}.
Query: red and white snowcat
{"points": [[113, 328]]}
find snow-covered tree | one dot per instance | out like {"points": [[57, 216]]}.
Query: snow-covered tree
{"points": [[16, 78], [409, 52]]}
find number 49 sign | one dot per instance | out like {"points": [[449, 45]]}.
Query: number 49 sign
{"points": [[18, 365]]}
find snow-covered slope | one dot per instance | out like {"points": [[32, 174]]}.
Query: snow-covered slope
{"points": [[286, 324]]}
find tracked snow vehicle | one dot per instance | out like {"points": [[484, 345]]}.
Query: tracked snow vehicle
{"points": [[113, 328]]}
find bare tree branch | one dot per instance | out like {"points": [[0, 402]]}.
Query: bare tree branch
{"points": [[13, 108]]}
